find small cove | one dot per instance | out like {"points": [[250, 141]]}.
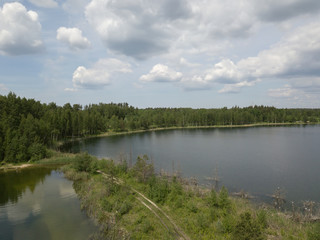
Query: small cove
{"points": [[39, 203]]}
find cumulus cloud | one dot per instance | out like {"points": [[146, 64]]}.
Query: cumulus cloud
{"points": [[275, 10], [100, 74], [284, 92], [73, 38], [142, 29], [295, 57], [161, 73], [225, 72], [44, 3], [20, 30], [235, 88]]}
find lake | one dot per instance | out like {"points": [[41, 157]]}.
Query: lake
{"points": [[39, 203], [255, 159]]}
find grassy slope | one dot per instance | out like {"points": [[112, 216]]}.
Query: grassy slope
{"points": [[201, 214]]}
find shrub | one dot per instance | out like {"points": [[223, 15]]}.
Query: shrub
{"points": [[314, 232], [247, 229], [158, 189], [143, 168], [124, 208], [37, 151], [213, 199], [85, 163], [224, 201], [262, 219]]}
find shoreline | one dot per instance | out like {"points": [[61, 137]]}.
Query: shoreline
{"points": [[109, 134], [15, 167]]}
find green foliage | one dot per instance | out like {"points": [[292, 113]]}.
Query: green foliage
{"points": [[147, 226], [85, 163], [314, 232], [26, 121], [213, 199], [124, 207], [143, 168], [158, 189], [247, 228], [262, 219], [223, 200], [37, 151]]}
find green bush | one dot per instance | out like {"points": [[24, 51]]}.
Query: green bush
{"points": [[106, 205], [158, 189], [124, 208], [262, 219], [247, 228], [314, 232], [213, 199], [37, 151], [223, 200], [85, 163]]}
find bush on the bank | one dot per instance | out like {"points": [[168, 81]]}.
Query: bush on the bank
{"points": [[37, 151], [143, 169], [247, 228], [314, 233], [158, 189], [85, 163], [223, 200]]}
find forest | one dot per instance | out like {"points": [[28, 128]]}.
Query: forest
{"points": [[28, 127]]}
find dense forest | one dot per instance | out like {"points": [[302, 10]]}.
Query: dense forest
{"points": [[28, 127]]}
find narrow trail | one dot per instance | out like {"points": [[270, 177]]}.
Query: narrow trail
{"points": [[164, 219]]}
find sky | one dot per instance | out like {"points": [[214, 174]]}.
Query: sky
{"points": [[167, 53]]}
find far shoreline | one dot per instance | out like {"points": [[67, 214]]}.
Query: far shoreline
{"points": [[110, 134]]}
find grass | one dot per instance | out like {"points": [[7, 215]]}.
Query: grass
{"points": [[200, 213]]}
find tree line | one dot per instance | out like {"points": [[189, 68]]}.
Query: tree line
{"points": [[28, 127]]}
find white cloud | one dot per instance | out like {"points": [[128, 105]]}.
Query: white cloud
{"points": [[100, 74], [71, 89], [44, 3], [142, 29], [185, 63], [20, 30], [235, 88], [277, 11], [161, 73], [225, 71], [3, 88], [73, 38], [284, 92], [294, 58], [195, 82]]}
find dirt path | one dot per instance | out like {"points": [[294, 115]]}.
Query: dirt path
{"points": [[165, 220]]}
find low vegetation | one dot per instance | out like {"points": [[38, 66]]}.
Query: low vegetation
{"points": [[112, 197]]}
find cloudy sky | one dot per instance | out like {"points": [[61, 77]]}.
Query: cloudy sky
{"points": [[168, 53]]}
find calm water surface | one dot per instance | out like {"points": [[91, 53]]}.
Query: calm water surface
{"points": [[39, 203], [257, 160]]}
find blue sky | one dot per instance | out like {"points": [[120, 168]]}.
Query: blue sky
{"points": [[169, 53]]}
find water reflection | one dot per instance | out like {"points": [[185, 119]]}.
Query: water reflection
{"points": [[42, 205], [15, 183]]}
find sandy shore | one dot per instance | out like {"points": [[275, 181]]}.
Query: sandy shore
{"points": [[15, 167]]}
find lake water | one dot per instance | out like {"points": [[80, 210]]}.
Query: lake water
{"points": [[39, 203], [257, 160]]}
